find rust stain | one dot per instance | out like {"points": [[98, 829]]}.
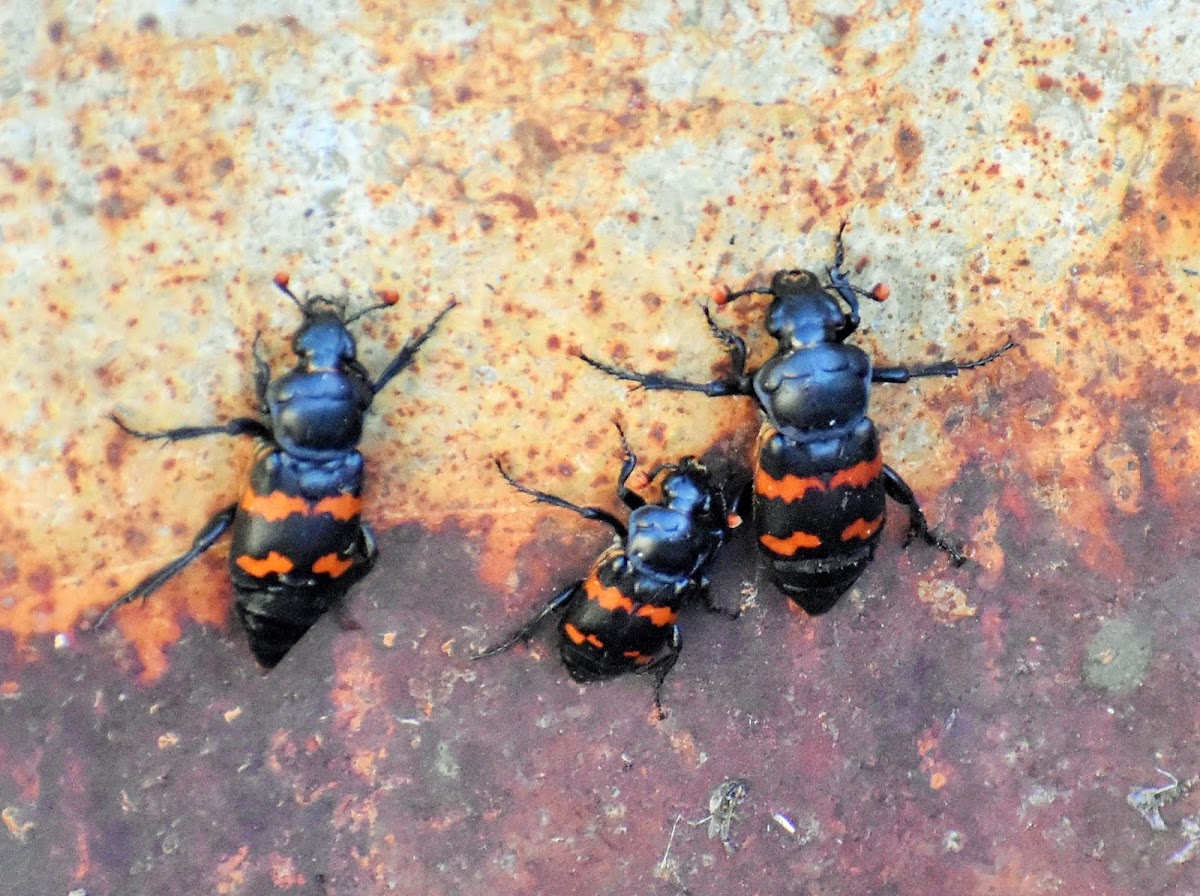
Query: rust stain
{"points": [[909, 146], [283, 872], [356, 693], [580, 181], [1179, 174], [231, 873], [14, 822]]}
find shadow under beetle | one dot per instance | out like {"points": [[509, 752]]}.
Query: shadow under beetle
{"points": [[820, 484], [622, 617], [298, 541]]}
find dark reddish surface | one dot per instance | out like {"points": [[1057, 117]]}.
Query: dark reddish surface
{"points": [[358, 768], [931, 754]]}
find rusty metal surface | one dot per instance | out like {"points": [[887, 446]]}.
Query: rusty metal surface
{"points": [[581, 178]]}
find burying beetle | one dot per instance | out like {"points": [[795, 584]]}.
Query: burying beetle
{"points": [[298, 542], [622, 617], [820, 484]]}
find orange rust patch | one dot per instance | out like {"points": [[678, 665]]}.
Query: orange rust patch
{"points": [[332, 565], [793, 488], [357, 696], [283, 872], [17, 826], [863, 529], [232, 872], [609, 598], [788, 546], [273, 563]]}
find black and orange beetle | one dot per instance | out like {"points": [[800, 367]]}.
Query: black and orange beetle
{"points": [[298, 541], [622, 617], [820, 483]]}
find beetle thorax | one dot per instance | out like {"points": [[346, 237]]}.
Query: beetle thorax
{"points": [[323, 342]]}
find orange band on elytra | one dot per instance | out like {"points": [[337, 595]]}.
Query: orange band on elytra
{"points": [[609, 598], [863, 529], [279, 506], [793, 488], [659, 616], [612, 599], [332, 565], [273, 507], [788, 546], [860, 475], [579, 637], [340, 507], [274, 562]]}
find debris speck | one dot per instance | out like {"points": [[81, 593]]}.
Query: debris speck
{"points": [[1149, 801], [1190, 828], [722, 809]]}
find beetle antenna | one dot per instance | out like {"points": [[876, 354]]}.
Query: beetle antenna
{"points": [[352, 318], [758, 290], [281, 281], [389, 296], [661, 468]]}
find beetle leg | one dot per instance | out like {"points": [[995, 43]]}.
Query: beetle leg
{"points": [[525, 632], [262, 375], [410, 349], [706, 600], [847, 290], [738, 383], [941, 368], [238, 426], [918, 526], [715, 389], [207, 537], [588, 513], [364, 558], [662, 667], [629, 498], [734, 344]]}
